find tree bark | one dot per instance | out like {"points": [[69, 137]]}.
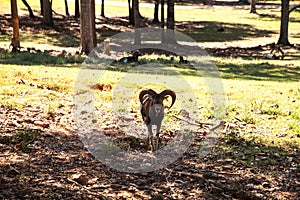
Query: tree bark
{"points": [[67, 8], [47, 15], [170, 15], [284, 24], [131, 17], [137, 33], [156, 7], [31, 15], [253, 6], [162, 25], [42, 7], [87, 26], [170, 22], [102, 8], [77, 13], [15, 41]]}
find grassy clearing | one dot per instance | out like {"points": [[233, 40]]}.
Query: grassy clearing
{"points": [[16, 94], [272, 107]]}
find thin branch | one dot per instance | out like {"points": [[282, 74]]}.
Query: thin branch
{"points": [[222, 123], [216, 172], [193, 123], [294, 8]]}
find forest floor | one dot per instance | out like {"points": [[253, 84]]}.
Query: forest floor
{"points": [[42, 157]]}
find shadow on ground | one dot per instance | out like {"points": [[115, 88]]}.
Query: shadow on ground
{"points": [[261, 71], [237, 169], [220, 32]]}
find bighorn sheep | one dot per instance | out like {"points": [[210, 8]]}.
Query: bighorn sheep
{"points": [[152, 110]]}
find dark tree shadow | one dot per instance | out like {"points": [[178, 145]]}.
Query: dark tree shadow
{"points": [[263, 71], [218, 31]]}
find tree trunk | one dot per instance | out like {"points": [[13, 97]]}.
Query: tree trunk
{"points": [[87, 26], [67, 8], [156, 7], [31, 15], [284, 25], [102, 8], [15, 41], [77, 13], [42, 7], [47, 15], [162, 25], [170, 15], [131, 17], [137, 33], [253, 6], [138, 8], [170, 22]]}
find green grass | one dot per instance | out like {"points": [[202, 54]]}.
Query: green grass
{"points": [[25, 58], [259, 69], [271, 106]]}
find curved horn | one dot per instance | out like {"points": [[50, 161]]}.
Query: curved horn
{"points": [[144, 92], [171, 93]]}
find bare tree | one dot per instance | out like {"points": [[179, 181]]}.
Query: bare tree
{"points": [[31, 15], [162, 25], [131, 11], [253, 6], [77, 13], [67, 8], [170, 15], [42, 7], [102, 8], [284, 25], [87, 26], [170, 22], [47, 13], [15, 41], [156, 7], [130, 14], [137, 38]]}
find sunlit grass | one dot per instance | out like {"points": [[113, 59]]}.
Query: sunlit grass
{"points": [[42, 86], [270, 106]]}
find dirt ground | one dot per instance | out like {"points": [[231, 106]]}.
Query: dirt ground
{"points": [[45, 159]]}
